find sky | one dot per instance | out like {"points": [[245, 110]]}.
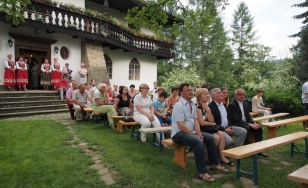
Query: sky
{"points": [[273, 20]]}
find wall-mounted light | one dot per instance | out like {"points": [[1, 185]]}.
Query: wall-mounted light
{"points": [[10, 43], [56, 49]]}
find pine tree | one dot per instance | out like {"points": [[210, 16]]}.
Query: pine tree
{"points": [[301, 57], [301, 16]]}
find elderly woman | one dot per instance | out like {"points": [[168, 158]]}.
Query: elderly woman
{"points": [[225, 94], [101, 103], [9, 72], [122, 103], [206, 121], [144, 111]]}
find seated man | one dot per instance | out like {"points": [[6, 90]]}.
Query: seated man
{"points": [[238, 113], [258, 105], [160, 109], [219, 113], [69, 95], [186, 131], [80, 98], [62, 87]]}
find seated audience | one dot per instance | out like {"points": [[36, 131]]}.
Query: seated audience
{"points": [[160, 109], [62, 87], [225, 94], [122, 103], [219, 112], [115, 91], [93, 83], [173, 99], [186, 131], [207, 124], [144, 111], [158, 91], [80, 99], [101, 103], [238, 112], [258, 105], [110, 94], [69, 95], [132, 91]]}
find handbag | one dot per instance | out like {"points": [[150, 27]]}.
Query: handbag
{"points": [[127, 119], [210, 129]]}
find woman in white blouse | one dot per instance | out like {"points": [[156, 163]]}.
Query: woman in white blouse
{"points": [[144, 111]]}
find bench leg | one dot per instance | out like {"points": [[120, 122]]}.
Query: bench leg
{"points": [[135, 134], [180, 155], [306, 146], [255, 169], [271, 132], [96, 118], [238, 168], [119, 127]]}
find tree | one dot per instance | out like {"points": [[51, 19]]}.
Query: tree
{"points": [[301, 16], [14, 10], [243, 35]]}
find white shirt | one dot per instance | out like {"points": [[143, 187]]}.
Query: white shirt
{"points": [[223, 114], [144, 102], [242, 109], [305, 92], [19, 64]]}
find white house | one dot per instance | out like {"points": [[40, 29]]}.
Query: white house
{"points": [[74, 34]]}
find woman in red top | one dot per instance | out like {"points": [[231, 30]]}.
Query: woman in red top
{"points": [[22, 74], [56, 73], [9, 72]]}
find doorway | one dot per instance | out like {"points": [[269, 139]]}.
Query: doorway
{"points": [[35, 60]]}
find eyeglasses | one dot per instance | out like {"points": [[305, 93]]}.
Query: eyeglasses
{"points": [[145, 88], [240, 94]]}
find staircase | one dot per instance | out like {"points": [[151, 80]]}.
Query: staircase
{"points": [[33, 102]]}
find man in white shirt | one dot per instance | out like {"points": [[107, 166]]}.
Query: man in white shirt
{"points": [[80, 99], [305, 100]]}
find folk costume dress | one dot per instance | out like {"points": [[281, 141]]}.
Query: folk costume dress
{"points": [[56, 74], [45, 77], [9, 74], [22, 73]]}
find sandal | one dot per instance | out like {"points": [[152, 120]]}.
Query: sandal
{"points": [[218, 167], [206, 178], [112, 127], [230, 163]]}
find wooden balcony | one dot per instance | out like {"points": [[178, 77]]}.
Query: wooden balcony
{"points": [[53, 19]]}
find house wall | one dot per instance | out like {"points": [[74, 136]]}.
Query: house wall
{"points": [[79, 3], [120, 67], [73, 45]]}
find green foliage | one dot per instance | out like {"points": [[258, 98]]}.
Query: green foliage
{"points": [[180, 75], [14, 10], [285, 101], [301, 16]]}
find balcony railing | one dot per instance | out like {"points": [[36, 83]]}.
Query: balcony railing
{"points": [[57, 19]]}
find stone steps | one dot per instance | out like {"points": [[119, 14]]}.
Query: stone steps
{"points": [[27, 103], [32, 108], [29, 113]]}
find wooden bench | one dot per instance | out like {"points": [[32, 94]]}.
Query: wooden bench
{"points": [[254, 114], [180, 152], [95, 116], [117, 118], [272, 126], [258, 119], [258, 147], [121, 123], [300, 175], [155, 130]]}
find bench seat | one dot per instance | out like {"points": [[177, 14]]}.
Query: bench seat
{"points": [[272, 126], [270, 116], [96, 114], [154, 130], [300, 175], [254, 114], [121, 123], [180, 152], [258, 147]]}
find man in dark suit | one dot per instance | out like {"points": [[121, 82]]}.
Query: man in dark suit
{"points": [[219, 113], [238, 112]]}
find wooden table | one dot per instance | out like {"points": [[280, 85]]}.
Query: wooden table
{"points": [[272, 126], [300, 175]]}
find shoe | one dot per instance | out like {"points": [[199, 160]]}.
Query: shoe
{"points": [[262, 155], [112, 127], [230, 163], [218, 167], [206, 178]]}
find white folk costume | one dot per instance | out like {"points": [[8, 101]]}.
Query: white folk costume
{"points": [[56, 74], [45, 77], [22, 73], [9, 72]]}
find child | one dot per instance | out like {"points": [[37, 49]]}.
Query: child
{"points": [[160, 110]]}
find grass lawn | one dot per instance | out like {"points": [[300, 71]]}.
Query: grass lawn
{"points": [[36, 154]]}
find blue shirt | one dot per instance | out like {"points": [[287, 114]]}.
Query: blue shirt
{"points": [[181, 113], [159, 106]]}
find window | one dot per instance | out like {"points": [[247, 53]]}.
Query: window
{"points": [[134, 70], [108, 65]]}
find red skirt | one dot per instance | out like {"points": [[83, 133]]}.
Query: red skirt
{"points": [[55, 77], [9, 77], [22, 77]]}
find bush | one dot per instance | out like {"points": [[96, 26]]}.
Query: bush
{"points": [[286, 101]]}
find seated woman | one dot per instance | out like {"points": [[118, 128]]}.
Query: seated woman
{"points": [[144, 111], [174, 98], [225, 93], [207, 123], [101, 103], [122, 103]]}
